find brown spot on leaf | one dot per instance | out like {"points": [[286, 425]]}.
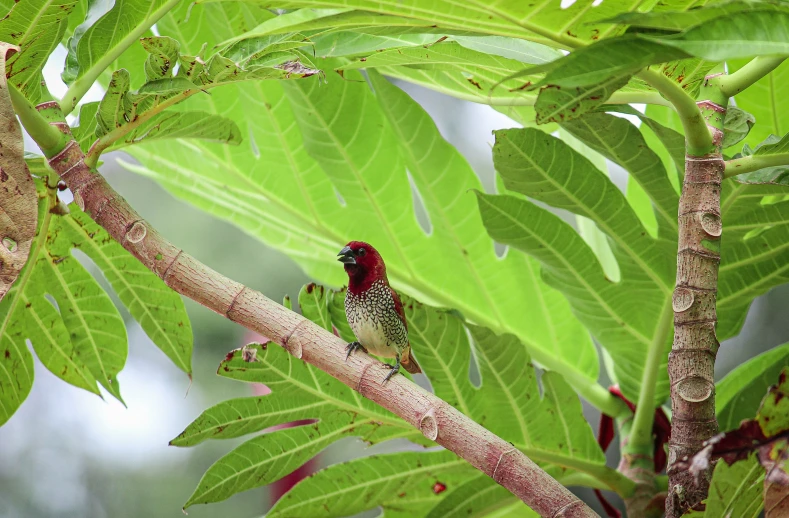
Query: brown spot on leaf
{"points": [[310, 287], [7, 353]]}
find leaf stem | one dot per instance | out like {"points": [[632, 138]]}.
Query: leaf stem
{"points": [[754, 70], [640, 441], [85, 80], [48, 138], [697, 135], [748, 164]]}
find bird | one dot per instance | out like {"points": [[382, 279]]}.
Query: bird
{"points": [[374, 310]]}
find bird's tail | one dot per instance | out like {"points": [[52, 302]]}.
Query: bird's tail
{"points": [[409, 362]]}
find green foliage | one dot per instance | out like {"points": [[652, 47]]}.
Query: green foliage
{"points": [[736, 490], [550, 429], [348, 155], [76, 331]]}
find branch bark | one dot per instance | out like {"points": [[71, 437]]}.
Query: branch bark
{"points": [[436, 419], [692, 358]]}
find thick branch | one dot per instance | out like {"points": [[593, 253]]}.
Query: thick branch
{"points": [[692, 359], [436, 419], [754, 70], [748, 164]]}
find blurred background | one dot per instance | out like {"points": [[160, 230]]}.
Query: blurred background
{"points": [[67, 453]]}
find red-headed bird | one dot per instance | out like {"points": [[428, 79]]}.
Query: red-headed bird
{"points": [[374, 310]]}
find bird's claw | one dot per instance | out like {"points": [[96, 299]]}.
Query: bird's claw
{"points": [[394, 370], [353, 346]]}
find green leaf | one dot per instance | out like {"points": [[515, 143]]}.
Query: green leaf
{"points": [[159, 310], [389, 481], [92, 49], [668, 19], [545, 168], [445, 55], [321, 164], [337, 313], [85, 132], [510, 48], [556, 104], [478, 497], [736, 126], [442, 177], [767, 100], [608, 59], [37, 28], [739, 394], [735, 490], [313, 301], [773, 146], [748, 34], [620, 141], [299, 392], [623, 326]]}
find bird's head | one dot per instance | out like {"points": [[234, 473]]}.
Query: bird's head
{"points": [[363, 264]]}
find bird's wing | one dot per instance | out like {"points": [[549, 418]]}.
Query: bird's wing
{"points": [[399, 307]]}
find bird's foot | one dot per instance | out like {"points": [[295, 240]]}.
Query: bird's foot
{"points": [[394, 370], [352, 347]]}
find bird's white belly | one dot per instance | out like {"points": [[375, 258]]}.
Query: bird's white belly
{"points": [[373, 338]]}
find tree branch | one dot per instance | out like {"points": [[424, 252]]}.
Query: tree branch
{"points": [[697, 136], [691, 363], [754, 70], [436, 419], [748, 164]]}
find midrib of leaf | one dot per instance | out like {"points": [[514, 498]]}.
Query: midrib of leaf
{"points": [[774, 101], [57, 347], [538, 290], [245, 419], [80, 315], [754, 286], [740, 488], [34, 22], [603, 304], [22, 283], [754, 258], [385, 478], [666, 217], [358, 409], [270, 460], [485, 10], [385, 224], [635, 256], [120, 275]]}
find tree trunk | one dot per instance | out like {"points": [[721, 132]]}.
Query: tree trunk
{"points": [[692, 358]]}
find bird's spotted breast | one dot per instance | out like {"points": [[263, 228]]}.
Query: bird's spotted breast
{"points": [[375, 322]]}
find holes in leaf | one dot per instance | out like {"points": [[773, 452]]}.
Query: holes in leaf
{"points": [[474, 375], [500, 250], [339, 196], [420, 211], [253, 145]]}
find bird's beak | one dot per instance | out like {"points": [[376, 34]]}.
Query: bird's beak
{"points": [[346, 256]]}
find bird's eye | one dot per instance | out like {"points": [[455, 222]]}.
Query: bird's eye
{"points": [[361, 251]]}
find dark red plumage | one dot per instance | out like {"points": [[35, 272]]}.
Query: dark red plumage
{"points": [[374, 310]]}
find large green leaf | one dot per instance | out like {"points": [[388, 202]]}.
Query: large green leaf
{"points": [[624, 326], [739, 394], [306, 146], [36, 27], [403, 482]]}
